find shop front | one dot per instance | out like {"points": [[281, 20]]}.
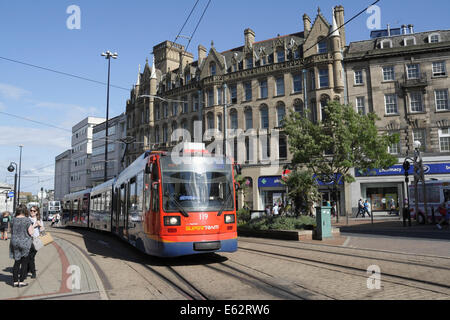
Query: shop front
{"points": [[271, 191]]}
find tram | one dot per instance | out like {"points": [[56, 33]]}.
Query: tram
{"points": [[164, 205]]}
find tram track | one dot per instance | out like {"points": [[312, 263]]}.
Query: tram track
{"points": [[173, 278], [355, 271]]}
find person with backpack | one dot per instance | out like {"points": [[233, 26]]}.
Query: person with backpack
{"points": [[4, 224]]}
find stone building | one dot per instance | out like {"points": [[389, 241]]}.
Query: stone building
{"points": [[62, 174], [257, 84], [402, 76]]}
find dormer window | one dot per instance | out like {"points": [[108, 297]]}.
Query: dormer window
{"points": [[434, 38], [322, 46], [385, 44], [249, 63], [212, 69], [280, 55], [410, 41]]}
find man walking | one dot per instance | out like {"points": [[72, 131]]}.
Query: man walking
{"points": [[367, 208], [360, 208]]}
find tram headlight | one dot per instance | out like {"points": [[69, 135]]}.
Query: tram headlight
{"points": [[172, 221], [229, 218]]}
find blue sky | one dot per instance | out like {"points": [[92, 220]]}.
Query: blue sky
{"points": [[35, 32]]}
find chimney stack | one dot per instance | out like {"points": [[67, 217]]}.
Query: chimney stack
{"points": [[306, 24], [411, 29], [340, 19], [249, 37], [404, 29], [201, 54]]}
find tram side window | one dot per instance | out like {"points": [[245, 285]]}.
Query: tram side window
{"points": [[132, 206], [103, 202], [155, 193], [139, 191], [433, 195], [108, 201], [147, 191], [447, 195]]}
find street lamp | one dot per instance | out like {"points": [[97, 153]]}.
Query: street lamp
{"points": [[20, 171], [13, 168], [108, 55]]}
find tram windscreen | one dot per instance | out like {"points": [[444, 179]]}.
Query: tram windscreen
{"points": [[197, 184]]}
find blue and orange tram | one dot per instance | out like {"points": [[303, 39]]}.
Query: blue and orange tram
{"points": [[164, 205]]}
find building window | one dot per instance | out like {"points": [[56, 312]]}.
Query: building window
{"points": [[439, 69], [195, 103], [210, 120], [410, 41], [185, 105], [323, 78], [212, 68], [441, 100], [386, 44], [156, 134], [249, 62], [281, 113], [174, 108], [282, 147], [361, 105], [263, 89], [420, 135], [187, 78], [413, 71], [388, 73], [264, 117], [219, 96], [298, 107], [297, 83], [280, 55], [233, 93], [234, 119], [434, 38], [391, 104], [322, 46], [263, 60], [219, 122], [444, 139], [248, 91], [165, 133], [248, 119], [166, 110], [416, 101], [280, 86], [210, 97], [359, 77]]}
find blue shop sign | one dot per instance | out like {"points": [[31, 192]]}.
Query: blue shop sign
{"points": [[276, 182], [437, 168]]}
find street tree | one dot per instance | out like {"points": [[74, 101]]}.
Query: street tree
{"points": [[343, 140]]}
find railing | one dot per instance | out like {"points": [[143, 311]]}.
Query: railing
{"points": [[420, 81]]}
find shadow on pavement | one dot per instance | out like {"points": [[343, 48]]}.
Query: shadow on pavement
{"points": [[110, 246], [396, 229]]}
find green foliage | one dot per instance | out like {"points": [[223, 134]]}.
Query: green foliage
{"points": [[282, 223], [345, 139], [243, 215], [303, 190]]}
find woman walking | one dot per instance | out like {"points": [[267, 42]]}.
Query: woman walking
{"points": [[21, 239], [38, 227]]}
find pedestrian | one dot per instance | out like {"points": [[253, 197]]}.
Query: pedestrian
{"points": [[4, 224], [275, 209], [445, 216], [55, 219], [333, 209], [19, 249], [392, 207], [367, 207], [360, 208], [267, 210], [38, 225]]}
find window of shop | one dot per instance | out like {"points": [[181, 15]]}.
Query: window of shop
{"points": [[380, 197]]}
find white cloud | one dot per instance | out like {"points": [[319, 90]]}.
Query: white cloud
{"points": [[32, 137], [2, 106], [11, 92]]}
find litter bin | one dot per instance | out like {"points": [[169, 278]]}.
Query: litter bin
{"points": [[323, 219]]}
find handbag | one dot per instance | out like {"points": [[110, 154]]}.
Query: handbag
{"points": [[37, 244], [46, 238]]}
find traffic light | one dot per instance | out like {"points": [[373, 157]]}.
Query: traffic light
{"points": [[406, 167]]}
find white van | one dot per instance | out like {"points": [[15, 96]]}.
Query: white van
{"points": [[438, 192]]}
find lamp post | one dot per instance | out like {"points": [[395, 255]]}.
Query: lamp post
{"points": [[13, 168], [20, 171], [108, 55]]}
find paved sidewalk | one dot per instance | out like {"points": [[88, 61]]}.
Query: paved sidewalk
{"points": [[62, 273]]}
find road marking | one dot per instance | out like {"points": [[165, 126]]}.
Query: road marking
{"points": [[346, 242]]}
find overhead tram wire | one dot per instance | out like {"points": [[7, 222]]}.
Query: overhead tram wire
{"points": [[196, 27]]}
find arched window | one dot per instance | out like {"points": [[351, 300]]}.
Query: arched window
{"points": [[248, 118], [322, 46], [219, 122], [281, 54], [281, 113], [324, 100], [264, 112], [234, 119]]}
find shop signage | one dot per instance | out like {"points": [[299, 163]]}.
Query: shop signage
{"points": [[276, 182], [437, 168]]}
